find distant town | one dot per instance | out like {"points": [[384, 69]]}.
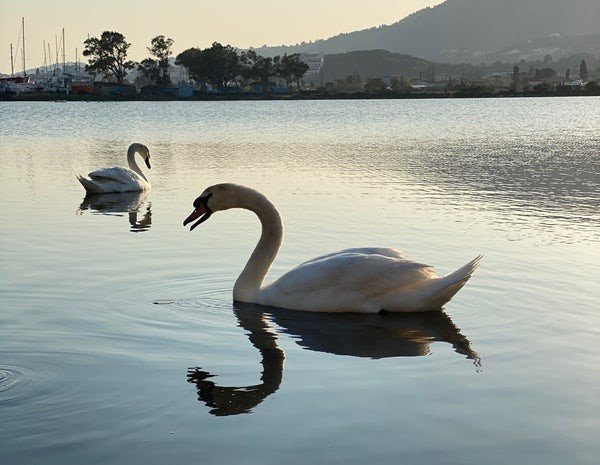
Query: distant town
{"points": [[224, 72]]}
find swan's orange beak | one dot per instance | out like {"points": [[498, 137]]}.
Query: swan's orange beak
{"points": [[200, 212]]}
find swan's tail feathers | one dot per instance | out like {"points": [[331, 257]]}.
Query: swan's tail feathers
{"points": [[445, 288], [88, 185]]}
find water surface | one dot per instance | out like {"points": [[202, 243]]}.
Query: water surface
{"points": [[119, 342]]}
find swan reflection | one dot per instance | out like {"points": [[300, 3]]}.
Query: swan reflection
{"points": [[226, 400], [357, 335], [118, 204]]}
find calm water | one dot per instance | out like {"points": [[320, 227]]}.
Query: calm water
{"points": [[119, 342]]}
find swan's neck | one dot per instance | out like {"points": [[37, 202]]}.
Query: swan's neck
{"points": [[251, 278], [132, 164]]}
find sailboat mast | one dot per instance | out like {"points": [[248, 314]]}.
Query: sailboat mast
{"points": [[56, 50], [64, 52], [23, 51], [12, 66], [45, 60]]}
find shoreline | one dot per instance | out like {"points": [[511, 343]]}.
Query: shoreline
{"points": [[294, 97]]}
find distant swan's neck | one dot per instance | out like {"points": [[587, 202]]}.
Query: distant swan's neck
{"points": [[250, 280], [131, 161]]}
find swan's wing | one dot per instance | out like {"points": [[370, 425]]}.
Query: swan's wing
{"points": [[350, 271], [116, 173]]}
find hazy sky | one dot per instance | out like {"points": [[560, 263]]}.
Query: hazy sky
{"points": [[188, 22]]}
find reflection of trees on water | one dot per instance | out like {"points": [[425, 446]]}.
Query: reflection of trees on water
{"points": [[118, 204], [355, 335]]}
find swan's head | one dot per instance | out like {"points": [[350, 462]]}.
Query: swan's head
{"points": [[213, 199], [143, 151]]}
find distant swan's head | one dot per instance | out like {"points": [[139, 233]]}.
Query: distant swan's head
{"points": [[142, 150], [219, 197]]}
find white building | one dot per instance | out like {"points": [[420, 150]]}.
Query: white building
{"points": [[314, 62]]}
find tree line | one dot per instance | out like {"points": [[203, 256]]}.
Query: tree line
{"points": [[218, 65]]}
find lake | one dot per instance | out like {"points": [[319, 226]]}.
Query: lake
{"points": [[120, 343]]}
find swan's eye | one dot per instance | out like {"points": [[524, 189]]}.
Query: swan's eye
{"points": [[202, 200]]}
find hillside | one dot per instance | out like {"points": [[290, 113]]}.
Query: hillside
{"points": [[381, 63], [467, 29], [558, 47], [371, 63]]}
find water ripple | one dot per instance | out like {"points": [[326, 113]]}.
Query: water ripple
{"points": [[13, 380]]}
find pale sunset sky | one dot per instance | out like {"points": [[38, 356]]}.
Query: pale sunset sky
{"points": [[189, 23]]}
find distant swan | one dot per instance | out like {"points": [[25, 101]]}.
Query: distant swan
{"points": [[363, 280], [118, 179]]}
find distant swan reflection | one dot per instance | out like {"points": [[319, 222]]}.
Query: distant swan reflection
{"points": [[356, 335], [117, 204]]}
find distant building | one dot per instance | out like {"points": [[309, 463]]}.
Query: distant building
{"points": [[574, 83], [112, 89], [177, 91], [418, 84], [314, 62], [499, 75], [270, 89], [178, 74]]}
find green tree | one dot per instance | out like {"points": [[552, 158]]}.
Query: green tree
{"points": [[256, 68], [247, 60], [583, 71], [108, 55], [290, 67], [516, 78], [400, 85], [216, 65], [263, 69], [593, 88], [157, 68], [516, 75], [222, 62], [280, 69], [375, 84], [544, 74], [193, 60], [543, 88]]}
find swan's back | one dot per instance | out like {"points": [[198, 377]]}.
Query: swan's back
{"points": [[385, 251], [117, 173], [113, 179], [349, 280]]}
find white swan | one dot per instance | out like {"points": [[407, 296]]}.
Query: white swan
{"points": [[364, 280], [118, 179]]}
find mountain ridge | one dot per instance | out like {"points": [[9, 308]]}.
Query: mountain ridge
{"points": [[473, 27]]}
